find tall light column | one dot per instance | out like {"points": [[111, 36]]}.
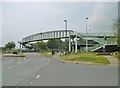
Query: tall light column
{"points": [[76, 43], [65, 35], [86, 36], [66, 26], [69, 42]]}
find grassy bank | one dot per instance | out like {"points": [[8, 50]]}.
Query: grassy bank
{"points": [[85, 57], [46, 54]]}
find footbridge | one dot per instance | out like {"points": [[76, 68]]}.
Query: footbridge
{"points": [[77, 41], [59, 34]]}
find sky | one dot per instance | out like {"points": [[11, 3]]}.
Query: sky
{"points": [[20, 19]]}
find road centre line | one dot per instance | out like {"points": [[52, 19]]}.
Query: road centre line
{"points": [[49, 60], [38, 76]]}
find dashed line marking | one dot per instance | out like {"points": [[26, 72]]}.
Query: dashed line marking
{"points": [[49, 61], [33, 75], [37, 76]]}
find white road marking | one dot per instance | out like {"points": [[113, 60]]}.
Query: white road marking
{"points": [[49, 61], [33, 75], [37, 76]]}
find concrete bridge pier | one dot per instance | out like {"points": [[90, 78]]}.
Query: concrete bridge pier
{"points": [[20, 46], [75, 43], [69, 43], [72, 45]]}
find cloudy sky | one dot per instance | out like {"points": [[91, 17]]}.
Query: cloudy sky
{"points": [[20, 19]]}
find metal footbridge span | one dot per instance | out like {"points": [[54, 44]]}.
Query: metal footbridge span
{"points": [[77, 40]]}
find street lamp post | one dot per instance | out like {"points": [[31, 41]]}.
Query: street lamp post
{"points": [[86, 36], [66, 26], [66, 35]]}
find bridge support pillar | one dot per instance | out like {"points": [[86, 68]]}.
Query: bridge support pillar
{"points": [[76, 44], [73, 49], [104, 48], [69, 44], [20, 47]]}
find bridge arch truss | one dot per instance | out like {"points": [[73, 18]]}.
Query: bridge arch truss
{"points": [[47, 35]]}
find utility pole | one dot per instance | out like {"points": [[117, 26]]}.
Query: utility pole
{"points": [[66, 35], [86, 36]]}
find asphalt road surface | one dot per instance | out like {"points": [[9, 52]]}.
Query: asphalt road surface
{"points": [[35, 70]]}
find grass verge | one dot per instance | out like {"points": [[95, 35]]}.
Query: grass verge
{"points": [[85, 57], [20, 54], [47, 54]]}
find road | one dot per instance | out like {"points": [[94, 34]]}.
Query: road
{"points": [[35, 70]]}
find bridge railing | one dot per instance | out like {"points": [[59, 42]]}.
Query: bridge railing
{"points": [[76, 33], [96, 46], [99, 34], [47, 35]]}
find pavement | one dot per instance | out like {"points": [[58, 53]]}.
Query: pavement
{"points": [[35, 70], [112, 60]]}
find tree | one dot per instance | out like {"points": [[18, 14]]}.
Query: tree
{"points": [[116, 27], [10, 45], [54, 44], [66, 44], [39, 45]]}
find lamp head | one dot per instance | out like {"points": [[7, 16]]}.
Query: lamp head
{"points": [[65, 20]]}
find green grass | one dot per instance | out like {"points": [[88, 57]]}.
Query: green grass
{"points": [[86, 57], [46, 54]]}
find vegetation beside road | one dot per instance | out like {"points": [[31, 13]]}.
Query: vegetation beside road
{"points": [[85, 57], [116, 28], [10, 45], [46, 54]]}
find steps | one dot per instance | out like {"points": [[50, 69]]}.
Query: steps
{"points": [[101, 44]]}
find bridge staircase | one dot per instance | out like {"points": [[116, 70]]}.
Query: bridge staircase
{"points": [[102, 43]]}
